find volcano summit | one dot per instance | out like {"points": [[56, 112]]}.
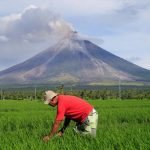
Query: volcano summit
{"points": [[73, 60]]}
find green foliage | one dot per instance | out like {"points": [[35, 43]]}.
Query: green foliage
{"points": [[102, 93], [122, 125]]}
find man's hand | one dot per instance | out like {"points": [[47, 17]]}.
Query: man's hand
{"points": [[53, 131], [46, 138], [60, 133]]}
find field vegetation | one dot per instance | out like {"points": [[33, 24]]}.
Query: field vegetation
{"points": [[96, 92], [123, 125]]}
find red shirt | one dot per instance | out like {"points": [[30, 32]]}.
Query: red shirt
{"points": [[73, 108]]}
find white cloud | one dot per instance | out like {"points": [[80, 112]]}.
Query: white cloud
{"points": [[145, 63], [96, 7], [33, 25], [3, 38], [86, 7], [134, 59], [24, 34], [75, 7], [130, 45], [123, 25]]}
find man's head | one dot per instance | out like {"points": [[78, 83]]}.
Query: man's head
{"points": [[51, 98]]}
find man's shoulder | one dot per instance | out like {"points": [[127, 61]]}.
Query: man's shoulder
{"points": [[62, 101], [61, 98], [65, 97]]}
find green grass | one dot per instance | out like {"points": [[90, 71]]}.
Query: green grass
{"points": [[123, 125]]}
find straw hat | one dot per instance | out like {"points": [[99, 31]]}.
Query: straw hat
{"points": [[49, 95]]}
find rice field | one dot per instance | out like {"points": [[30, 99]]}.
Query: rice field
{"points": [[123, 125]]}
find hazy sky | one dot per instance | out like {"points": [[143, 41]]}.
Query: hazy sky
{"points": [[27, 27]]}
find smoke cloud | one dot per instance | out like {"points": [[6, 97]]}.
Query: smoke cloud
{"points": [[25, 34], [33, 25]]}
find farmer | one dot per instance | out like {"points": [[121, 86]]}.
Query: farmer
{"points": [[71, 108]]}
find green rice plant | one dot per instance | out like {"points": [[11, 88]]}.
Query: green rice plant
{"points": [[123, 125]]}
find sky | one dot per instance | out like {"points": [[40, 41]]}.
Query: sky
{"points": [[28, 27]]}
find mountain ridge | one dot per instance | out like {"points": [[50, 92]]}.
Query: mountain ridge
{"points": [[74, 60]]}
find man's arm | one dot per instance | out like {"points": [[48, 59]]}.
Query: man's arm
{"points": [[53, 131], [66, 123]]}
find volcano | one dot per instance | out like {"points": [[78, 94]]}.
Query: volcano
{"points": [[73, 60]]}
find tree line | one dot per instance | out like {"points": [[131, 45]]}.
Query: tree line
{"points": [[99, 94]]}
